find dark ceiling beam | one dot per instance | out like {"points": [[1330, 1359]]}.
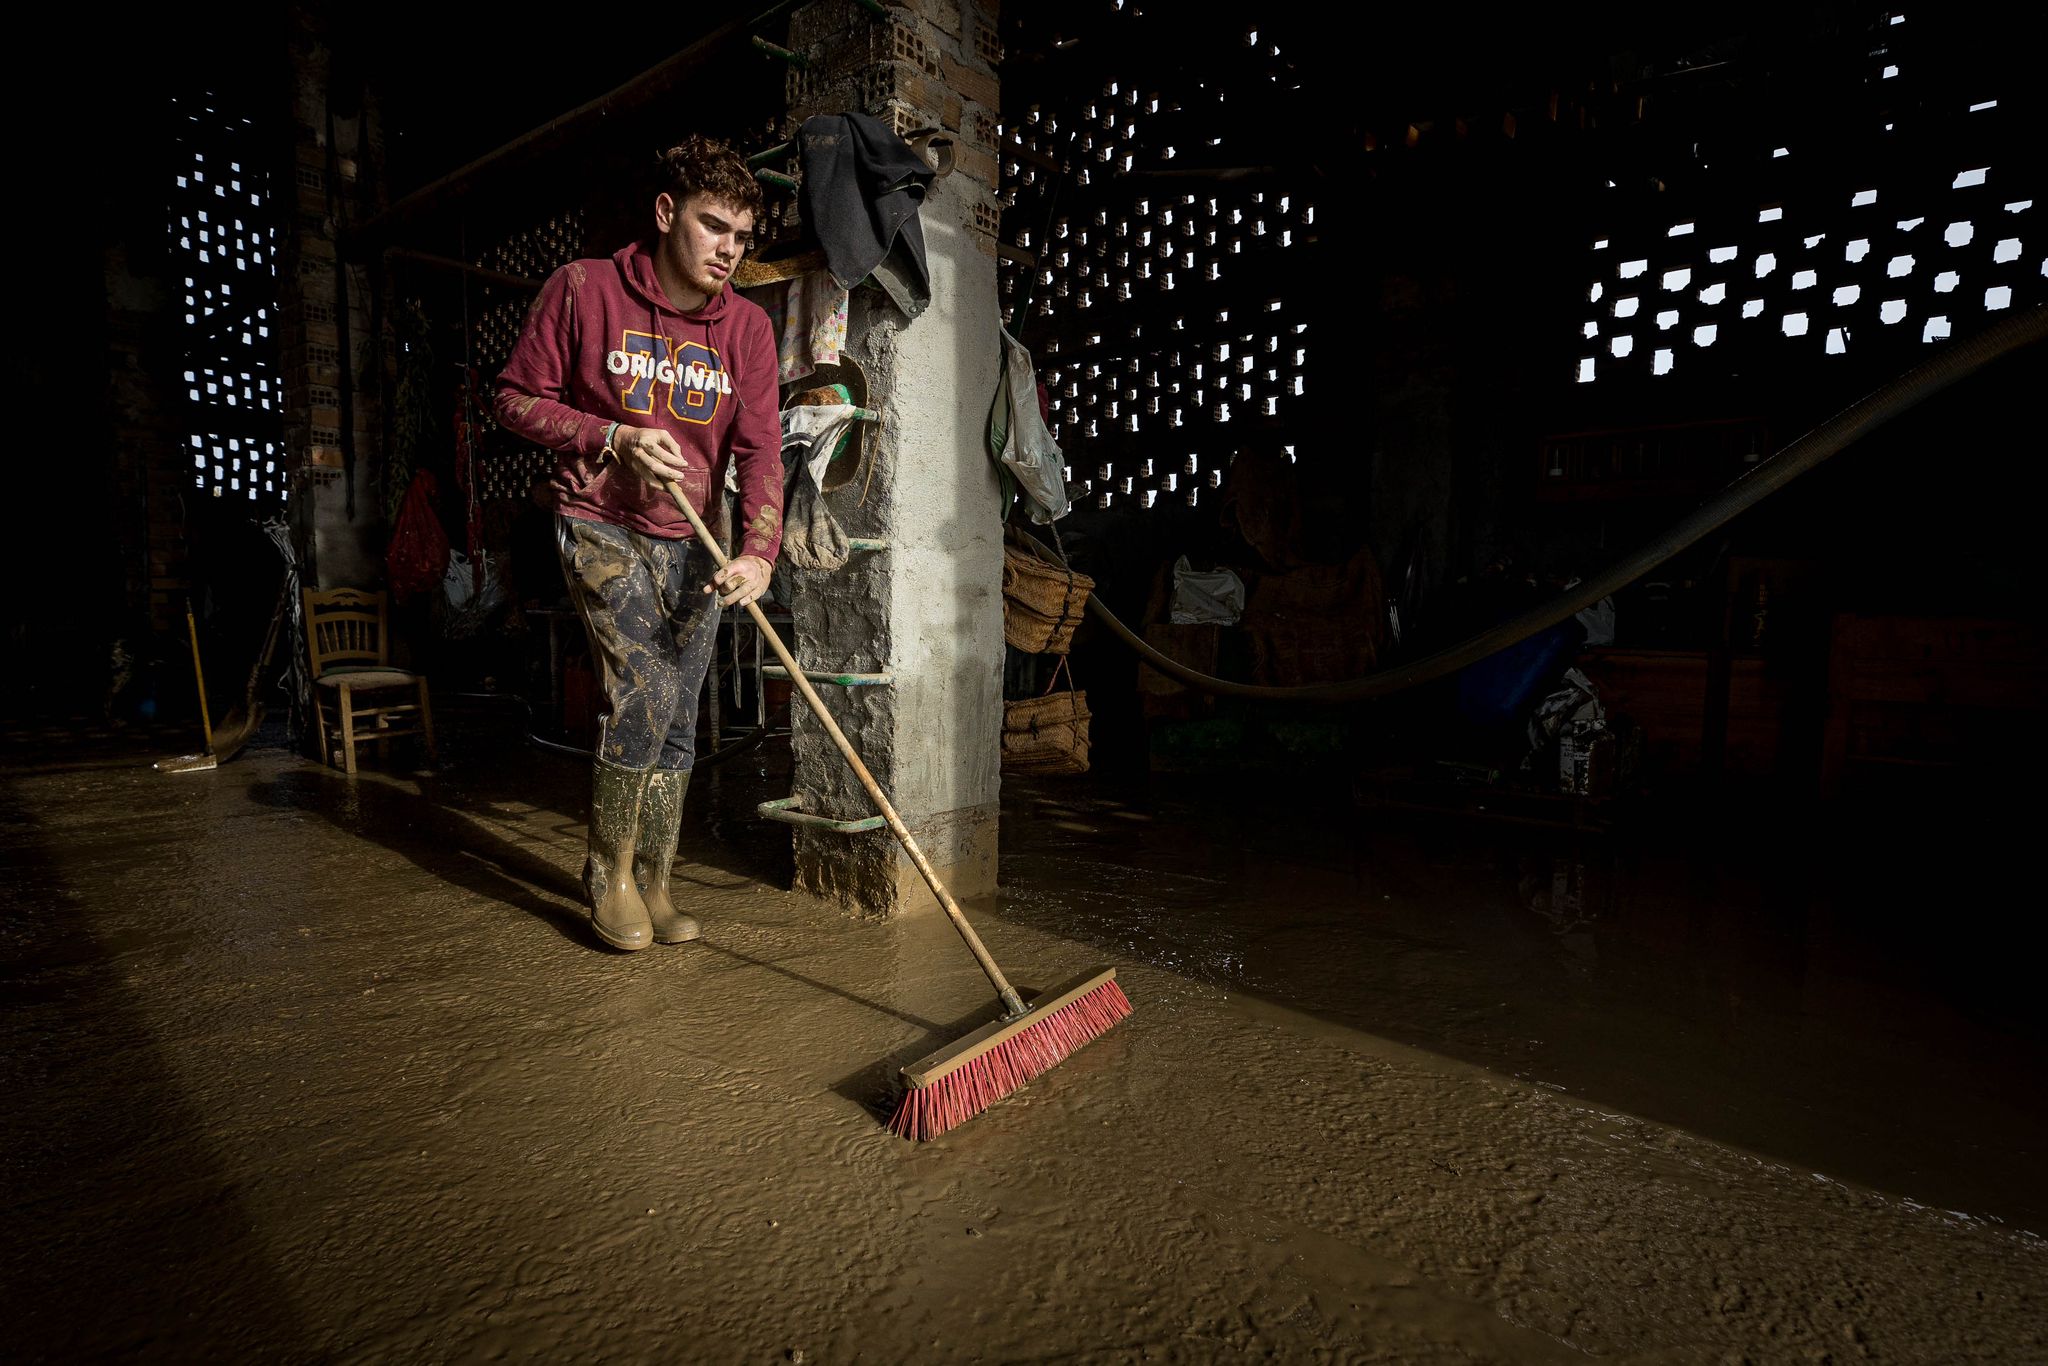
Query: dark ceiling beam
{"points": [[558, 132]]}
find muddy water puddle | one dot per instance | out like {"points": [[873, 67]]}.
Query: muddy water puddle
{"points": [[319, 1069]]}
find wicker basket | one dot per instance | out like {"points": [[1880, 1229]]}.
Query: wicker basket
{"points": [[1042, 603], [1046, 734]]}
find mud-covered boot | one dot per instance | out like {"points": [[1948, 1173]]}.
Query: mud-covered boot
{"points": [[616, 911], [661, 820]]}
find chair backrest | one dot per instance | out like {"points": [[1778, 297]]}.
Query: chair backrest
{"points": [[344, 626]]}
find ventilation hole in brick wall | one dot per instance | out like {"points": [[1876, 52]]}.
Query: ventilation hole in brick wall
{"points": [[1714, 294], [1705, 334], [1794, 325], [1591, 330], [1959, 234], [1862, 197], [1838, 341], [1847, 294], [1899, 267], [1752, 308], [1585, 370], [1661, 363], [1766, 262], [1677, 279], [1770, 214], [1627, 308], [1997, 297], [1946, 282], [1667, 320], [1891, 311], [1621, 346], [2008, 249], [1630, 269], [1936, 330], [1964, 181]]}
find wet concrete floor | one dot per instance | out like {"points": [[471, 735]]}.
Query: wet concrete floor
{"points": [[306, 1069]]}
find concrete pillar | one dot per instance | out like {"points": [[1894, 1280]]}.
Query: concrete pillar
{"points": [[928, 608]]}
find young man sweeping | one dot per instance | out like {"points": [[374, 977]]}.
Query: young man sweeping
{"points": [[639, 369]]}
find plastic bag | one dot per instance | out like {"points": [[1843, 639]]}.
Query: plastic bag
{"points": [[1205, 597], [1021, 442], [1599, 622]]}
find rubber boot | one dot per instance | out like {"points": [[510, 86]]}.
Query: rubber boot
{"points": [[616, 911], [661, 821]]}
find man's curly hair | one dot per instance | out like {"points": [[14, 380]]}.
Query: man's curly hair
{"points": [[701, 165]]}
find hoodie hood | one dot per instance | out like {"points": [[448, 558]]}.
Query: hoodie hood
{"points": [[636, 268]]}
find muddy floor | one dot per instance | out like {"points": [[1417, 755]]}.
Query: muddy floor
{"points": [[305, 1069]]}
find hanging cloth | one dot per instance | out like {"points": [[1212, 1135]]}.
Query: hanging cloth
{"points": [[812, 433], [812, 325], [418, 554], [862, 188], [808, 313], [1019, 440]]}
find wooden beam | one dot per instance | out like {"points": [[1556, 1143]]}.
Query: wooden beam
{"points": [[495, 277], [585, 118]]}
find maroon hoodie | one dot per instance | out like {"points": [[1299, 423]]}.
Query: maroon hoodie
{"points": [[603, 344]]}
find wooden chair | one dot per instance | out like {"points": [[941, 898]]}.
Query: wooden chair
{"points": [[347, 638]]}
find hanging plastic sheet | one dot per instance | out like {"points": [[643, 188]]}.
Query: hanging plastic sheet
{"points": [[1021, 442], [1205, 597]]}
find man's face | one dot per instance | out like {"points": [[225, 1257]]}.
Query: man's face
{"points": [[702, 239]]}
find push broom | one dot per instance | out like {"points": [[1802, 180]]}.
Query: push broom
{"points": [[956, 1083]]}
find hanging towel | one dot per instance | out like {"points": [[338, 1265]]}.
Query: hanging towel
{"points": [[862, 188], [1019, 439], [809, 316]]}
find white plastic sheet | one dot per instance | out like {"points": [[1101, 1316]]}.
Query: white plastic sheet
{"points": [[1021, 440], [1205, 597]]}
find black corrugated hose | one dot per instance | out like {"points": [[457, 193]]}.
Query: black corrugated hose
{"points": [[1871, 411]]}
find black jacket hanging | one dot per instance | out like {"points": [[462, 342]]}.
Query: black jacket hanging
{"points": [[862, 188]]}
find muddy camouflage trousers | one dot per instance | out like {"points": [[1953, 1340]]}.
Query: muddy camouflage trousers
{"points": [[651, 627]]}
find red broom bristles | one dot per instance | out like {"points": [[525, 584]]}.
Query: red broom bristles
{"points": [[950, 1101]]}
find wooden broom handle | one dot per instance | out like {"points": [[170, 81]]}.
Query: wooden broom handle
{"points": [[1013, 1004], [199, 677]]}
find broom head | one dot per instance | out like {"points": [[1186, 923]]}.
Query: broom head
{"points": [[958, 1082]]}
